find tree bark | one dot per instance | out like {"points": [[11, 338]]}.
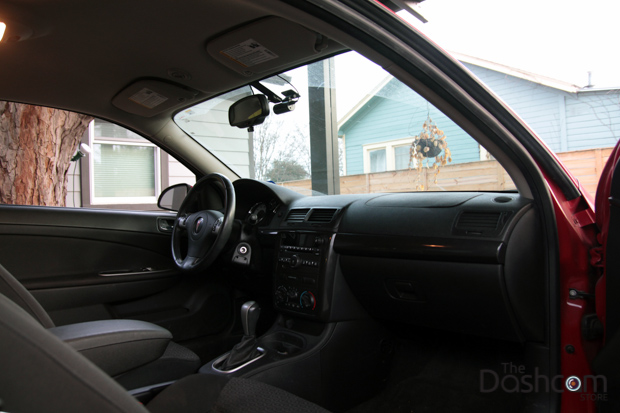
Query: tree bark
{"points": [[36, 146]]}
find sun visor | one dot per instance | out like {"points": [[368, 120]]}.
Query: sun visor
{"points": [[150, 97], [268, 45]]}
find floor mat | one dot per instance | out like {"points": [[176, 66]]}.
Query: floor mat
{"points": [[442, 374], [419, 395]]}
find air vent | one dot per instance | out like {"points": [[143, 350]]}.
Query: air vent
{"points": [[479, 220], [297, 215], [322, 215]]}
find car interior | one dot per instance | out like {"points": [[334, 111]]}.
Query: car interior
{"points": [[353, 302]]}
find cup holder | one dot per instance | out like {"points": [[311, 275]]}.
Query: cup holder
{"points": [[283, 344], [286, 349]]}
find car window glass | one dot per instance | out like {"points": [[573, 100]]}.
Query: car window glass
{"points": [[124, 170], [107, 166], [389, 138]]}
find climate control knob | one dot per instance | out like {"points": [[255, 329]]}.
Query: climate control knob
{"points": [[307, 300], [281, 295], [292, 294]]}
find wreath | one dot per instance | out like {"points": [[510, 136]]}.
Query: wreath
{"points": [[428, 150]]}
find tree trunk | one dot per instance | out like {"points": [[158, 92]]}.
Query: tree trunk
{"points": [[36, 146]]}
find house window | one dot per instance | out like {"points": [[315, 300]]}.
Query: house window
{"points": [[377, 160], [387, 156], [401, 157], [124, 166]]}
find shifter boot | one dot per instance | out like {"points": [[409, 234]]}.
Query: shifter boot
{"points": [[246, 350]]}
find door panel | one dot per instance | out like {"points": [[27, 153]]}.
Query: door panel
{"points": [[85, 265]]}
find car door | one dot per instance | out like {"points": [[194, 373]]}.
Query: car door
{"points": [[103, 262], [85, 265], [606, 257]]}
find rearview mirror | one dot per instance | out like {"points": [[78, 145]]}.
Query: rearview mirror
{"points": [[249, 111], [172, 197]]}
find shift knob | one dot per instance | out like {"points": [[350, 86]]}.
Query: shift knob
{"points": [[250, 311]]}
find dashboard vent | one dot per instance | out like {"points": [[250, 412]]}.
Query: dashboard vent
{"points": [[322, 215], [479, 220], [297, 215]]}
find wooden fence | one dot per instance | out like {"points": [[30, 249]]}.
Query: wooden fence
{"points": [[586, 165]]}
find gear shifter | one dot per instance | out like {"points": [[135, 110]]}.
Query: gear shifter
{"points": [[250, 311], [246, 350]]}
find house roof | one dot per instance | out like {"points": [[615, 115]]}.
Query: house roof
{"points": [[529, 76], [487, 64], [519, 73], [355, 109]]}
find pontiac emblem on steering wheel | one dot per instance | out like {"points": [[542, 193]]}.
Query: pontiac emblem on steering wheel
{"points": [[199, 223]]}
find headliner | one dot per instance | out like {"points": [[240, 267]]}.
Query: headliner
{"points": [[78, 55], [81, 54]]}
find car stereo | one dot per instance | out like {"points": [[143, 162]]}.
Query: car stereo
{"points": [[301, 263]]}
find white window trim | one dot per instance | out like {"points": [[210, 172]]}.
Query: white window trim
{"points": [[342, 146], [390, 160], [121, 200], [484, 154]]}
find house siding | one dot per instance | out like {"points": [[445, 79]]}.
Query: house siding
{"points": [[593, 120], [179, 174], [212, 130], [536, 104], [399, 113], [564, 121]]}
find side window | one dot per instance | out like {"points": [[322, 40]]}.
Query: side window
{"points": [[62, 158], [125, 168], [122, 170]]}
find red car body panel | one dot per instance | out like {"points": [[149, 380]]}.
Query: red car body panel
{"points": [[582, 267], [575, 243]]}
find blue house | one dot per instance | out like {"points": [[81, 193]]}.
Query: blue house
{"points": [[379, 130]]}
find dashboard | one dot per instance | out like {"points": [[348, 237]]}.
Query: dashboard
{"points": [[470, 262]]}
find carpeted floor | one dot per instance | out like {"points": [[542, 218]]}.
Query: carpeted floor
{"points": [[441, 373]]}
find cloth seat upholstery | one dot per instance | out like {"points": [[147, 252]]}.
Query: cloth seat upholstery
{"points": [[40, 373]]}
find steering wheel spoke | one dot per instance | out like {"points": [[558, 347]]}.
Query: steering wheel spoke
{"points": [[181, 222], [217, 225], [206, 231], [188, 262]]}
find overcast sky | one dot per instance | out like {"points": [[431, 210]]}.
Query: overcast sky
{"points": [[563, 39]]}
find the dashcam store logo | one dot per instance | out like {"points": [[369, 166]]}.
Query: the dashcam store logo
{"points": [[514, 379]]}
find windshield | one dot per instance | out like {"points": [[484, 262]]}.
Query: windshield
{"points": [[354, 129]]}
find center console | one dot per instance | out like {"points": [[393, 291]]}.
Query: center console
{"points": [[319, 321], [300, 275]]}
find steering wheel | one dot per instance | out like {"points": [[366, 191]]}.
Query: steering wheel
{"points": [[206, 231]]}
